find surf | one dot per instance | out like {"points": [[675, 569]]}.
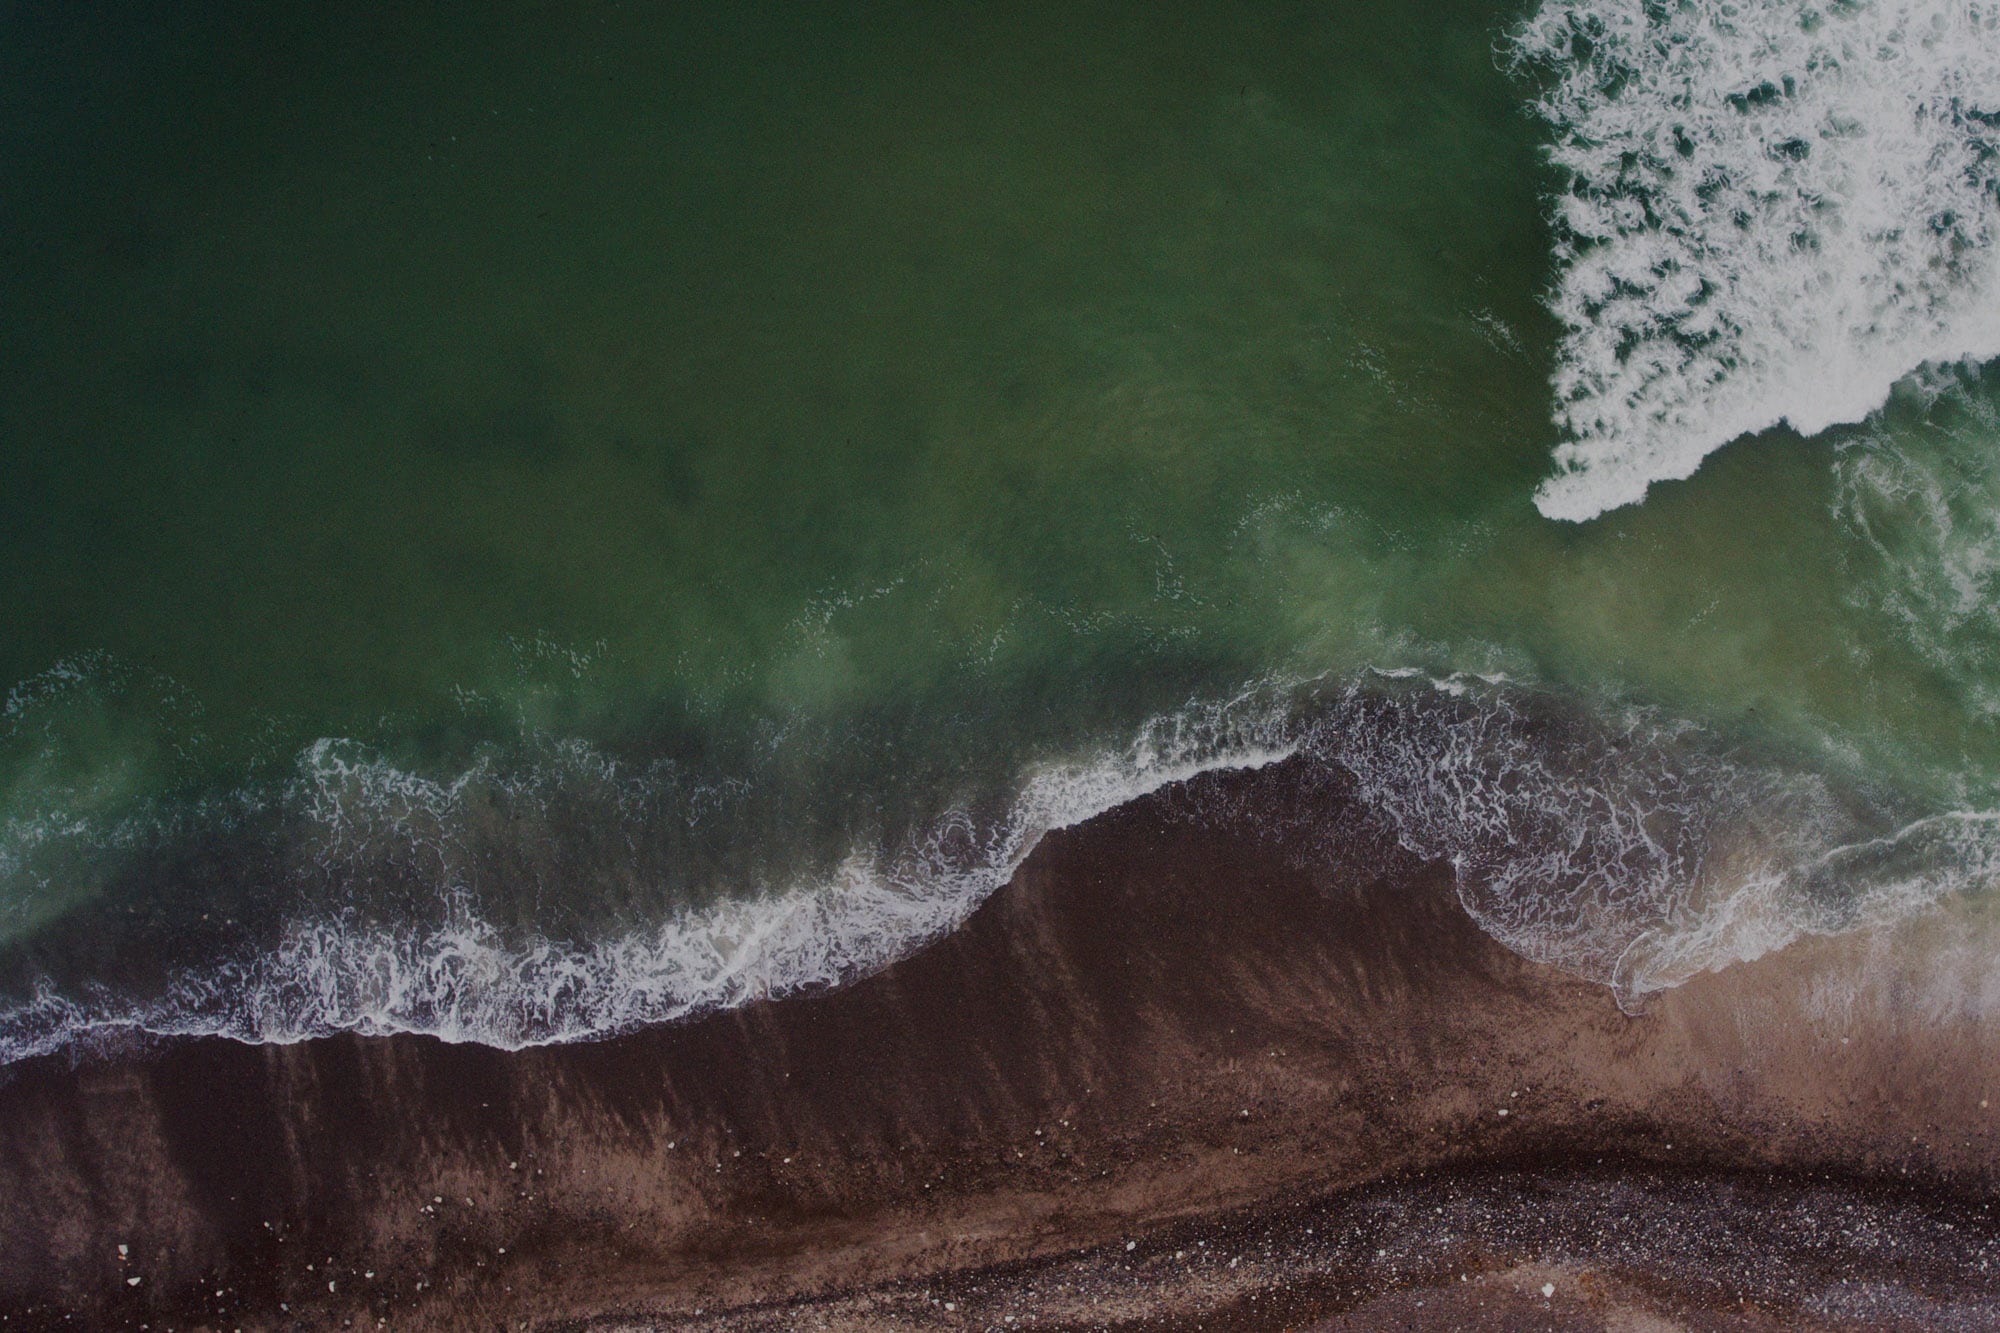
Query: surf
{"points": [[1615, 841], [1768, 214]]}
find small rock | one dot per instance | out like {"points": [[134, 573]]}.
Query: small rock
{"points": [[1548, 1290]]}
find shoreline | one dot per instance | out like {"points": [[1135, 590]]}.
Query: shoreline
{"points": [[1211, 1008]]}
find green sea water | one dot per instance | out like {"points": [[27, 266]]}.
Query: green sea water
{"points": [[759, 431]]}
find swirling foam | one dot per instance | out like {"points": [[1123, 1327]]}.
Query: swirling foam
{"points": [[462, 979], [1626, 847], [1631, 848], [1772, 212]]}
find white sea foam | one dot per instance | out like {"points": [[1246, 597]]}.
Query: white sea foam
{"points": [[1628, 848], [1771, 901], [461, 980], [1632, 849], [1773, 211], [1569, 838]]}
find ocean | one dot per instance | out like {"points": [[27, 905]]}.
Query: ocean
{"points": [[522, 523]]}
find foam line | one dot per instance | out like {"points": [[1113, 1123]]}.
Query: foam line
{"points": [[1620, 844], [461, 981]]}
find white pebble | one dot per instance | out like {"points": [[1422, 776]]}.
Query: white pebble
{"points": [[1548, 1290]]}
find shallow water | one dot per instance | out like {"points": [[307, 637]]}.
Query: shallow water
{"points": [[524, 525]]}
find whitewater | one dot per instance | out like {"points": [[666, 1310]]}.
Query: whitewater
{"points": [[1770, 213], [1624, 846]]}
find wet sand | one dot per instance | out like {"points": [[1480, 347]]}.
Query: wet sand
{"points": [[1225, 1057]]}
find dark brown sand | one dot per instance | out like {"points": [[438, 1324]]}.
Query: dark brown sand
{"points": [[1223, 1058]]}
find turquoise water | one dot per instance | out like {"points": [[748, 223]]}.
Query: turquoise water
{"points": [[500, 495]]}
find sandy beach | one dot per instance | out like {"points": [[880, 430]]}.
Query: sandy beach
{"points": [[1224, 1057]]}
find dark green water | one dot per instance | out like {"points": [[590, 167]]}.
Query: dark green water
{"points": [[560, 468]]}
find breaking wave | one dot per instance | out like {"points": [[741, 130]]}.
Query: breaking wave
{"points": [[1622, 845], [1771, 213], [462, 978]]}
